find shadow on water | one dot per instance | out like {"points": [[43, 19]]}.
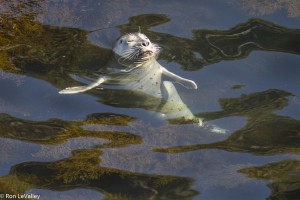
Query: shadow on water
{"points": [[52, 53]]}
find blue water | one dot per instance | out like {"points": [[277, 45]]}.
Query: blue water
{"points": [[86, 146]]}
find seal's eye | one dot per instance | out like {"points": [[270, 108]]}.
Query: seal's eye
{"points": [[121, 41]]}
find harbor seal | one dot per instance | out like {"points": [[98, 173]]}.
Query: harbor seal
{"points": [[139, 70]]}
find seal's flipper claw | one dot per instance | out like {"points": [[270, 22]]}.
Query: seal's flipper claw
{"points": [[210, 127], [74, 90], [215, 129], [78, 89], [189, 84], [200, 123]]}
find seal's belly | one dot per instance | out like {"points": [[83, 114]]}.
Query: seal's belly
{"points": [[149, 81]]}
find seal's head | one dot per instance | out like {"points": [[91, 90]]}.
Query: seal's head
{"points": [[135, 47]]}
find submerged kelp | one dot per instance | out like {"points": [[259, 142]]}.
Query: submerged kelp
{"points": [[285, 177], [56, 131], [28, 47], [82, 170], [215, 45], [265, 132], [60, 51], [17, 28], [65, 56], [57, 52]]}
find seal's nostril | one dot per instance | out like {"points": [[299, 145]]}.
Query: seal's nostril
{"points": [[145, 44]]}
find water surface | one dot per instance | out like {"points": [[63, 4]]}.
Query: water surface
{"points": [[106, 144]]}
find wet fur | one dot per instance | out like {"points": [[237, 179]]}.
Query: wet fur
{"points": [[137, 56]]}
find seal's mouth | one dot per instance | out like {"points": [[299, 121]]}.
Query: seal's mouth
{"points": [[146, 54], [139, 54]]}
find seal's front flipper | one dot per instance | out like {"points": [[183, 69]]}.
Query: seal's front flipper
{"points": [[78, 89], [169, 76]]}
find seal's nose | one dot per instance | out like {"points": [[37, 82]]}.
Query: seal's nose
{"points": [[145, 44]]}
